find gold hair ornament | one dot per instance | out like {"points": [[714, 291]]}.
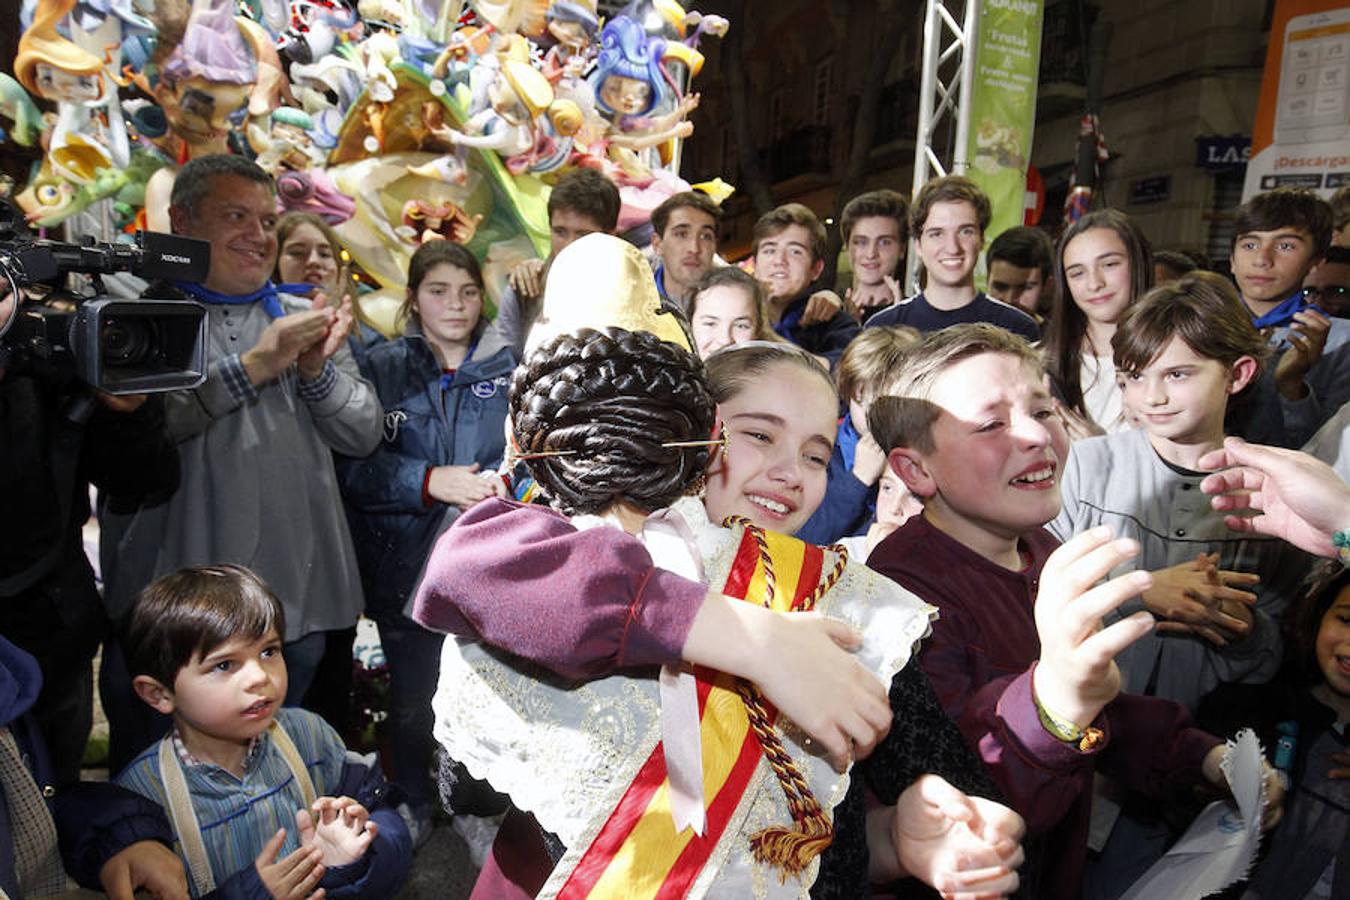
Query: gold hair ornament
{"points": [[516, 456]]}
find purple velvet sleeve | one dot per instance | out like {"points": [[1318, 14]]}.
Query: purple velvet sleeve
{"points": [[1148, 744], [1042, 777], [1155, 746], [580, 603]]}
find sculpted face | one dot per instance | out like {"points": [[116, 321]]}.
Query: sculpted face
{"points": [[626, 96], [199, 111], [61, 86]]}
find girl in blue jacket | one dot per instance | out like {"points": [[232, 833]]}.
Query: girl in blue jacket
{"points": [[443, 386]]}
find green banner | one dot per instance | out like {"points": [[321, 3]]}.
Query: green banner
{"points": [[1003, 106]]}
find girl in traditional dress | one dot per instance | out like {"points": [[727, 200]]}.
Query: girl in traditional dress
{"points": [[691, 782]]}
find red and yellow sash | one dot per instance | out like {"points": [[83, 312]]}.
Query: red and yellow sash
{"points": [[637, 853]]}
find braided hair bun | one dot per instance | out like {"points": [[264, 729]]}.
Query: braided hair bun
{"points": [[609, 399]]}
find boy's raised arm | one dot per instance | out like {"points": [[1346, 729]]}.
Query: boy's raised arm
{"points": [[1077, 675]]}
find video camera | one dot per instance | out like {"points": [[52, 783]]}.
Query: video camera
{"points": [[117, 346]]}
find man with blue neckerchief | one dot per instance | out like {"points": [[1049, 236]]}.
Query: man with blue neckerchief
{"points": [[255, 440]]}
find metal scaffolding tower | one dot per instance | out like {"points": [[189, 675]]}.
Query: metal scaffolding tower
{"points": [[948, 47]]}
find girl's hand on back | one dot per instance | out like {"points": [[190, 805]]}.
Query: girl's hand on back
{"points": [[803, 664]]}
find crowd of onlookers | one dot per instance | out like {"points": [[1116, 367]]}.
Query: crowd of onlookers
{"points": [[960, 437]]}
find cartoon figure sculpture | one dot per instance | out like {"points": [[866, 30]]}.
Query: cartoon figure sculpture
{"points": [[423, 221], [629, 84], [56, 68], [512, 124], [571, 27], [206, 80], [512, 16], [288, 146], [326, 90]]}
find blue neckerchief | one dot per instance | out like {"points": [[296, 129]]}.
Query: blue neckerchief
{"points": [[1284, 313], [791, 317], [848, 441], [269, 294]]}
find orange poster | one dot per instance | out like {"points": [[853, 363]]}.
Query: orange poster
{"points": [[1302, 133]]}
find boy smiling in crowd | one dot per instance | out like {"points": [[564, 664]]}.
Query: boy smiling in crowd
{"points": [[1018, 657], [875, 226], [1185, 351], [1281, 235], [948, 220], [789, 251]]}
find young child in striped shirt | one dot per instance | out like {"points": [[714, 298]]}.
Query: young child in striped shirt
{"points": [[237, 770]]}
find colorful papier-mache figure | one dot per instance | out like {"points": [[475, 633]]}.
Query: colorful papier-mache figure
{"points": [[396, 120], [571, 28], [204, 82], [53, 67]]}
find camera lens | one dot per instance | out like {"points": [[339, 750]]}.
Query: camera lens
{"points": [[126, 342]]}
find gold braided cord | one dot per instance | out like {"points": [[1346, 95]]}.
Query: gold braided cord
{"points": [[790, 849]]}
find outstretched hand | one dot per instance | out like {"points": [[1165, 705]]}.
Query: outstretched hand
{"points": [[1077, 674], [965, 847], [1294, 496]]}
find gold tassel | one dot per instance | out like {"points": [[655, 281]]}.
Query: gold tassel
{"points": [[790, 849]]}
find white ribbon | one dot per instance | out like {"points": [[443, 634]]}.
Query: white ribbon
{"points": [[673, 548]]}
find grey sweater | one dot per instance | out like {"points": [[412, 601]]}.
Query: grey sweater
{"points": [[258, 485], [1120, 481]]}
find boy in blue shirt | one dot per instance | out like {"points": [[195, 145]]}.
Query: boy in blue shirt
{"points": [[850, 503], [204, 646]]}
